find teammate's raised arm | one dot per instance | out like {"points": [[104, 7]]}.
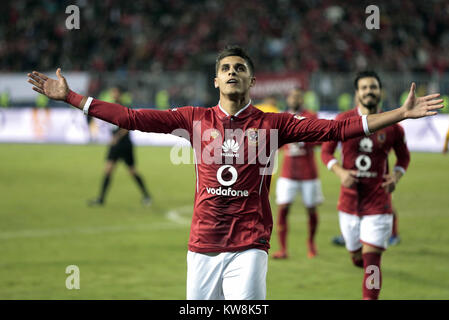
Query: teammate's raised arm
{"points": [[412, 108]]}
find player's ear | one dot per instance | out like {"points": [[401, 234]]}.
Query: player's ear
{"points": [[253, 82], [215, 82]]}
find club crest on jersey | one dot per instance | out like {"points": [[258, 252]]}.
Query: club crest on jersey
{"points": [[366, 145], [253, 136]]}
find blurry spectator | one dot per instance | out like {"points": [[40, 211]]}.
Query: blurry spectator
{"points": [[311, 101], [4, 99]]}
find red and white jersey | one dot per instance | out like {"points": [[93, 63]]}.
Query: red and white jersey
{"points": [[231, 209], [369, 156], [299, 158]]}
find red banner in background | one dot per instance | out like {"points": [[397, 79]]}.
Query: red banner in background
{"points": [[278, 84]]}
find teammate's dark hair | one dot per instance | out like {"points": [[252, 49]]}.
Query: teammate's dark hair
{"points": [[234, 50], [366, 74]]}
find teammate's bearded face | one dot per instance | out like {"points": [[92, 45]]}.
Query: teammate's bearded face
{"points": [[234, 77], [295, 99], [368, 92]]}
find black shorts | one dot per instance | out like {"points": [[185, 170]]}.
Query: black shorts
{"points": [[123, 152]]}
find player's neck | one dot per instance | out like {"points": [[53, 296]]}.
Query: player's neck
{"points": [[292, 110], [232, 106], [366, 111]]}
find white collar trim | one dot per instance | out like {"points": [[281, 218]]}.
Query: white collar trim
{"points": [[240, 111]]}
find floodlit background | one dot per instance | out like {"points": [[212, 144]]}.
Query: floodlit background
{"points": [[163, 54]]}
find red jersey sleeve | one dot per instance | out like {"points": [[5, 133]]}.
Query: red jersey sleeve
{"points": [[327, 153], [328, 148], [312, 115], [146, 120], [295, 128], [401, 150]]}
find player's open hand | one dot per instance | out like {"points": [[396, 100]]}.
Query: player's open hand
{"points": [[389, 183], [54, 89], [348, 178], [415, 107]]}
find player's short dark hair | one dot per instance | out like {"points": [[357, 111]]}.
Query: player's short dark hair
{"points": [[366, 74], [234, 50]]}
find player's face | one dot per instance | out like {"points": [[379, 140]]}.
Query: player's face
{"points": [[234, 76], [295, 99], [115, 94], [368, 92]]}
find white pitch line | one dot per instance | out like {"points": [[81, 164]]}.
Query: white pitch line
{"points": [[176, 221], [178, 218]]}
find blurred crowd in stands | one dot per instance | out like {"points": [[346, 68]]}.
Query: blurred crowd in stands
{"points": [[164, 35]]}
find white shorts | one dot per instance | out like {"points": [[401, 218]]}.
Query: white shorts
{"points": [[287, 189], [374, 230], [227, 275]]}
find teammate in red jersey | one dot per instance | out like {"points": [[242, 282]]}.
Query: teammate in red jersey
{"points": [[365, 211], [299, 174], [234, 144]]}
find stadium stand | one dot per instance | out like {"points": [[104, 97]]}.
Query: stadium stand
{"points": [[178, 35]]}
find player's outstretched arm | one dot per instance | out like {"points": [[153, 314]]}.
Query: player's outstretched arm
{"points": [[412, 108], [145, 120]]}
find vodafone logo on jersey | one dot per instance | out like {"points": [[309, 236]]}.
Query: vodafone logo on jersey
{"points": [[227, 175], [233, 172], [363, 162]]}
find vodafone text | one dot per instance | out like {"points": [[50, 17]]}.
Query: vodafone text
{"points": [[227, 192]]}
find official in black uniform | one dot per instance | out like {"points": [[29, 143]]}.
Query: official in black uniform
{"points": [[121, 148]]}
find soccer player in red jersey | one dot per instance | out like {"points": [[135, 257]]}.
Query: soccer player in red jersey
{"points": [[234, 144], [365, 211], [299, 174]]}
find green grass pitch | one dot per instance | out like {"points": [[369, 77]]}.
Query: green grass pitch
{"points": [[126, 251]]}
